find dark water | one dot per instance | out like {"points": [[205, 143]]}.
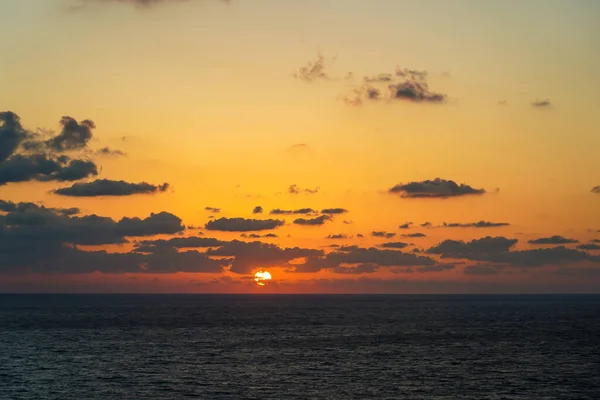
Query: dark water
{"points": [[299, 347]]}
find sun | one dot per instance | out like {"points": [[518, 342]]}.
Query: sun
{"points": [[262, 277]]}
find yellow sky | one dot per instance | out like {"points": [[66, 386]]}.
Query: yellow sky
{"points": [[201, 94]]}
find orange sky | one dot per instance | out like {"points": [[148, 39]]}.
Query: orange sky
{"points": [[211, 97]]}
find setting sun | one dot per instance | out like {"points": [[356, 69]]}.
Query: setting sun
{"points": [[262, 277]]}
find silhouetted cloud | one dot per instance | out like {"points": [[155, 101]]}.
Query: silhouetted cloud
{"points": [[589, 246], [394, 245], [257, 236], [337, 236], [479, 224], [435, 268], [107, 187], [541, 103], [334, 211], [414, 235], [312, 70], [426, 224], [596, 189], [43, 167], [294, 189], [320, 220], [359, 235], [438, 187], [247, 256], [405, 225], [483, 269], [359, 269], [153, 246], [74, 135], [107, 151], [460, 249], [242, 224], [383, 234], [12, 134], [213, 210], [416, 91], [556, 239], [257, 210], [278, 211]]}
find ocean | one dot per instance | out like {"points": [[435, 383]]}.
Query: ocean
{"points": [[299, 347]]}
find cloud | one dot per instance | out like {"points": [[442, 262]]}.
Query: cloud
{"points": [[405, 225], [107, 151], [498, 250], [383, 234], [416, 91], [107, 187], [437, 188], [320, 220], [27, 224], [256, 236], [394, 245], [541, 103], [153, 246], [257, 210], [414, 235], [479, 224], [334, 211], [436, 268], [278, 211], [596, 189], [42, 167], [213, 210], [294, 189], [359, 269], [312, 70], [589, 246], [553, 240], [250, 255], [242, 224], [26, 156], [337, 236], [426, 224]]}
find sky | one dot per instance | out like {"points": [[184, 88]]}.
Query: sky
{"points": [[346, 146]]}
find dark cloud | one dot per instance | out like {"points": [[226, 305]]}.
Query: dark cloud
{"points": [[498, 250], [348, 222], [257, 236], [312, 70], [337, 236], [426, 224], [556, 239], [589, 246], [257, 210], [596, 189], [247, 256], [383, 234], [320, 220], [541, 103], [460, 249], [43, 167], [440, 188], [242, 224], [334, 211], [414, 235], [107, 187], [346, 256], [359, 235], [278, 211], [412, 74], [107, 151], [25, 156], [479, 224], [153, 246], [416, 91], [26, 224], [73, 136], [405, 225], [294, 189], [12, 134], [359, 269], [394, 245], [436, 268], [213, 210]]}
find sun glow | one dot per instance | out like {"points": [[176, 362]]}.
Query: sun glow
{"points": [[262, 277]]}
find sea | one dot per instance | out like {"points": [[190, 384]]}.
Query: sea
{"points": [[299, 347]]}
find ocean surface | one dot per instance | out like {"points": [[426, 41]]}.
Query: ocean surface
{"points": [[299, 347]]}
